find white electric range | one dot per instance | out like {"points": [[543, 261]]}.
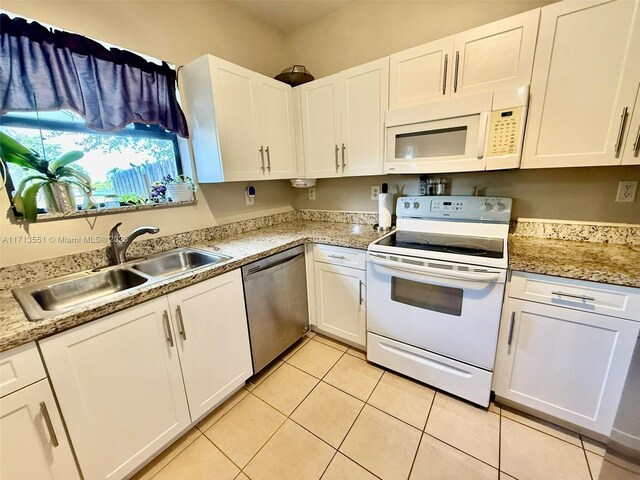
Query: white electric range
{"points": [[435, 287]]}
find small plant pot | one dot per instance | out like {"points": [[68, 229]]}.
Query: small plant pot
{"points": [[180, 192], [58, 197]]}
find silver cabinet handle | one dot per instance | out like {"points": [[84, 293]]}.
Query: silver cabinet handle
{"points": [[623, 124], [340, 257], [444, 75], [181, 330], [167, 327], [360, 292], [571, 295], [344, 163], [455, 72], [47, 420], [262, 156], [511, 325], [636, 145], [268, 159], [337, 164]]}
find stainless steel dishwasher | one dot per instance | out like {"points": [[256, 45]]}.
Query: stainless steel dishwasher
{"points": [[275, 290]]}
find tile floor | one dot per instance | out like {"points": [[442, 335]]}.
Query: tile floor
{"points": [[322, 411]]}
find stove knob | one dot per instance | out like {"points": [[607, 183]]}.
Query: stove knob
{"points": [[486, 206], [407, 204], [500, 207], [416, 205]]}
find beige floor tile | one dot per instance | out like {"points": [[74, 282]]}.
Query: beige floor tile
{"points": [[404, 399], [342, 468], [495, 408], [471, 429], [504, 476], [602, 469], [200, 460], [546, 427], [242, 476], [315, 358], [245, 429], [292, 453], [357, 353], [438, 461], [328, 413], [310, 334], [354, 376], [330, 342], [294, 348], [382, 444], [286, 388], [217, 414], [261, 376], [529, 454], [594, 446], [169, 454]]}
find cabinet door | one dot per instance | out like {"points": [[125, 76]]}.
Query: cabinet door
{"points": [[421, 74], [276, 127], [213, 340], [321, 127], [340, 302], [364, 101], [586, 76], [120, 388], [565, 363], [237, 119], [33, 443], [631, 154], [495, 56]]}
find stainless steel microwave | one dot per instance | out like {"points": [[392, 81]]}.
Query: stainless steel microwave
{"points": [[476, 132]]}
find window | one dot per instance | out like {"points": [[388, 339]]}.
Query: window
{"points": [[122, 165]]}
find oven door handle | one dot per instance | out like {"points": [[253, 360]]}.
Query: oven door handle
{"points": [[470, 276]]}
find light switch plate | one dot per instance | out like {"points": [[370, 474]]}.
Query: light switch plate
{"points": [[312, 193], [375, 191], [627, 191]]}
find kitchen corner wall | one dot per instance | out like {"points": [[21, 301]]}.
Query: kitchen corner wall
{"points": [[178, 32]]}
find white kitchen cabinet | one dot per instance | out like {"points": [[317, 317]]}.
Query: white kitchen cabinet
{"points": [[33, 442], [491, 57], [584, 84], [212, 339], [120, 388], [343, 121], [241, 122], [340, 298], [564, 361]]}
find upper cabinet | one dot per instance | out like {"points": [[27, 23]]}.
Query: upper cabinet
{"points": [[343, 121], [584, 86], [491, 57], [241, 122]]}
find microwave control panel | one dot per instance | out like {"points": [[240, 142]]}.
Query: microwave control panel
{"points": [[504, 132]]}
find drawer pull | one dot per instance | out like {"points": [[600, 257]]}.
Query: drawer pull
{"points": [[360, 292], [167, 326], [571, 295], [511, 325], [181, 330], [339, 257], [47, 421]]}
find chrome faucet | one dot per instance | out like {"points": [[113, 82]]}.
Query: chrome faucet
{"points": [[119, 245]]}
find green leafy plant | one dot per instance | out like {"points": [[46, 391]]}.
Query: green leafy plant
{"points": [[131, 199], [45, 173]]}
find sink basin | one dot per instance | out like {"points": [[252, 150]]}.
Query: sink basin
{"points": [[178, 261]]}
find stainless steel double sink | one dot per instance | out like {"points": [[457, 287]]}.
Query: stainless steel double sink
{"points": [[52, 297]]}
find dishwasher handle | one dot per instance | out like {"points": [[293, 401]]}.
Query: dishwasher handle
{"points": [[278, 265]]}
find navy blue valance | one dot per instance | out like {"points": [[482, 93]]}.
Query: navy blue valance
{"points": [[43, 69]]}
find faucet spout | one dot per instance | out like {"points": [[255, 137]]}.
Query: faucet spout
{"points": [[119, 244]]}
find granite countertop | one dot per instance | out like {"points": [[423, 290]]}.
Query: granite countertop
{"points": [[596, 262], [16, 330]]}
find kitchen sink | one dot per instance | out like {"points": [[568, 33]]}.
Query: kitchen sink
{"points": [[178, 261]]}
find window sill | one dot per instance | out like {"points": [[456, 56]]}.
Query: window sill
{"points": [[46, 217]]}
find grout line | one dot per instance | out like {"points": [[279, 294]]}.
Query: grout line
{"points": [[460, 450], [586, 459], [546, 433], [170, 461], [220, 450], [433, 400], [500, 443]]}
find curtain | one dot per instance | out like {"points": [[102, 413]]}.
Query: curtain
{"points": [[42, 69]]}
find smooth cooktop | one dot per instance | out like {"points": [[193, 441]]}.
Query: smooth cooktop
{"points": [[454, 244]]}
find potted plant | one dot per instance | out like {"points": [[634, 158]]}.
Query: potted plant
{"points": [[54, 179], [180, 188]]}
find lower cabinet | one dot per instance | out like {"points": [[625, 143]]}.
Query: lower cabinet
{"points": [[121, 380], [340, 298], [566, 363]]}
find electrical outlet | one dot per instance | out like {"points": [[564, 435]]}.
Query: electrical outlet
{"points": [[375, 191], [248, 199], [627, 191], [312, 193]]}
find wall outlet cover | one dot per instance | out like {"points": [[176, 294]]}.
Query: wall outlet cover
{"points": [[375, 191], [627, 191], [312, 193]]}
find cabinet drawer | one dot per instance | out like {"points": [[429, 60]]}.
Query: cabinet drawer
{"points": [[347, 257], [19, 367], [613, 300]]}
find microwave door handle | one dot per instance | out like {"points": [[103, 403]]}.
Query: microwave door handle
{"points": [[482, 134], [469, 276]]}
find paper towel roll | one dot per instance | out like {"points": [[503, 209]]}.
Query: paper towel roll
{"points": [[385, 205]]}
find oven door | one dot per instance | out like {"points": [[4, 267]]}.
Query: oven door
{"points": [[449, 309]]}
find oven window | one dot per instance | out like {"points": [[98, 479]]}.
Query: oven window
{"points": [[444, 142], [429, 297]]}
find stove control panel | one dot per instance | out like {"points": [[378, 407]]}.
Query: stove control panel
{"points": [[456, 207]]}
